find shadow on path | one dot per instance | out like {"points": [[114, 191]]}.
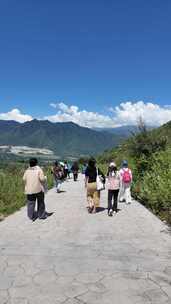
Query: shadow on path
{"points": [[61, 191], [100, 209]]}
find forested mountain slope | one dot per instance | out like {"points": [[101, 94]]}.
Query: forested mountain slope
{"points": [[65, 139]]}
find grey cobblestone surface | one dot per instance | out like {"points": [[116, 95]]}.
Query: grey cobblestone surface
{"points": [[76, 258]]}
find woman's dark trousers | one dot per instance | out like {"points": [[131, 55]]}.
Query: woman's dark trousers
{"points": [[113, 199], [31, 203]]}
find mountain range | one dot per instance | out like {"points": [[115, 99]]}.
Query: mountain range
{"points": [[64, 139], [123, 131]]}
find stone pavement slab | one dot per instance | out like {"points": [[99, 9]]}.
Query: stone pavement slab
{"points": [[74, 257]]}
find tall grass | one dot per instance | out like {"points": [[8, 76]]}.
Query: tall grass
{"points": [[12, 195], [11, 189], [153, 189]]}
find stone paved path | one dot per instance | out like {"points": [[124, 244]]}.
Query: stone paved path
{"points": [[74, 257]]}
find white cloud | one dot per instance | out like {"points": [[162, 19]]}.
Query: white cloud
{"points": [[126, 113], [53, 105], [16, 115], [152, 114], [82, 118]]}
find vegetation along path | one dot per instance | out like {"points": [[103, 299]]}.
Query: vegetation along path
{"points": [[74, 257]]}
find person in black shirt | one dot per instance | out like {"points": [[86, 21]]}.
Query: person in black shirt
{"points": [[75, 169], [93, 195]]}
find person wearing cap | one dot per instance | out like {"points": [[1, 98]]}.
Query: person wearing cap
{"points": [[126, 180], [113, 185], [58, 175]]}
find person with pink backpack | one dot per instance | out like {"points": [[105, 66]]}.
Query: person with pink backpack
{"points": [[113, 184], [126, 180]]}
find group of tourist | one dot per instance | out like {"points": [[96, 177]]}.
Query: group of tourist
{"points": [[61, 171], [118, 185]]}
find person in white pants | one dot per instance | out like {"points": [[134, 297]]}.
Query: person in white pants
{"points": [[126, 180], [58, 175]]}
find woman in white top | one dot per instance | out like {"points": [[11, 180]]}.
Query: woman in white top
{"points": [[126, 180]]}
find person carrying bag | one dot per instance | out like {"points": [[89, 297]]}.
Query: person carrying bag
{"points": [[92, 174], [100, 181]]}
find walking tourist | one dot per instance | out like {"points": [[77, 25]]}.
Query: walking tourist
{"points": [[34, 179], [113, 184], [69, 170], [93, 195], [83, 169], [75, 169], [65, 170], [58, 175], [126, 180]]}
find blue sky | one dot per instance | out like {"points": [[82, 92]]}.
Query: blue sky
{"points": [[94, 55]]}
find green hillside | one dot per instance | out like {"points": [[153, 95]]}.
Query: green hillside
{"points": [[149, 156], [164, 130], [64, 139]]}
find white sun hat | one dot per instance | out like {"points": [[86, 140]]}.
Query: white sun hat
{"points": [[112, 164]]}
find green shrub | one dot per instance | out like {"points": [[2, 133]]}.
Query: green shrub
{"points": [[149, 156], [154, 188]]}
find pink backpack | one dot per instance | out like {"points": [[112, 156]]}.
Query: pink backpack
{"points": [[126, 176]]}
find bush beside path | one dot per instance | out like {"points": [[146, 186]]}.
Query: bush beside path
{"points": [[74, 257]]}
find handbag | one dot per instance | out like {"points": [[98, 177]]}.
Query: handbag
{"points": [[99, 182]]}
